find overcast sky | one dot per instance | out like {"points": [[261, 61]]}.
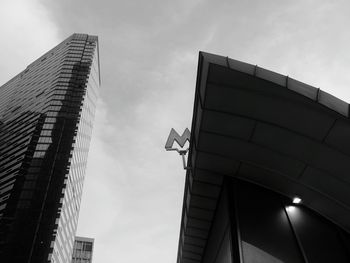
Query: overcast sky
{"points": [[149, 52]]}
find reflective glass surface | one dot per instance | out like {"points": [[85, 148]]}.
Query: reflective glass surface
{"points": [[321, 240], [46, 115], [266, 235]]}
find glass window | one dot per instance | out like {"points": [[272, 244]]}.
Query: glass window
{"points": [[322, 241], [266, 234], [88, 246]]}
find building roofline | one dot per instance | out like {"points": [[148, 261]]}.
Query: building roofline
{"points": [[313, 93], [86, 239], [279, 89]]}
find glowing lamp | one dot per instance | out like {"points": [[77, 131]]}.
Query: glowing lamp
{"points": [[296, 200]]}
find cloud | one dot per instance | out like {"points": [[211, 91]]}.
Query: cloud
{"points": [[124, 203], [27, 31], [102, 188]]}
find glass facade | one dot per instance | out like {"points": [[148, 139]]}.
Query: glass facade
{"points": [[270, 229], [46, 115], [83, 250]]}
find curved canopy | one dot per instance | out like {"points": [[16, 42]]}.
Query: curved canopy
{"points": [[268, 129]]}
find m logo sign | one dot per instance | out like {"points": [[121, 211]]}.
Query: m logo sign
{"points": [[181, 140]]}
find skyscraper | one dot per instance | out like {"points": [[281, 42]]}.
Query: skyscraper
{"points": [[83, 250], [46, 115]]}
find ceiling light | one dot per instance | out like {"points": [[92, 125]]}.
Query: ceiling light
{"points": [[296, 200]]}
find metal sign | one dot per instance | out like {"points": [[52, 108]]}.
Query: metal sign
{"points": [[181, 140]]}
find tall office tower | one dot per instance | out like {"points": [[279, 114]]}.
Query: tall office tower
{"points": [[46, 115], [83, 249]]}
